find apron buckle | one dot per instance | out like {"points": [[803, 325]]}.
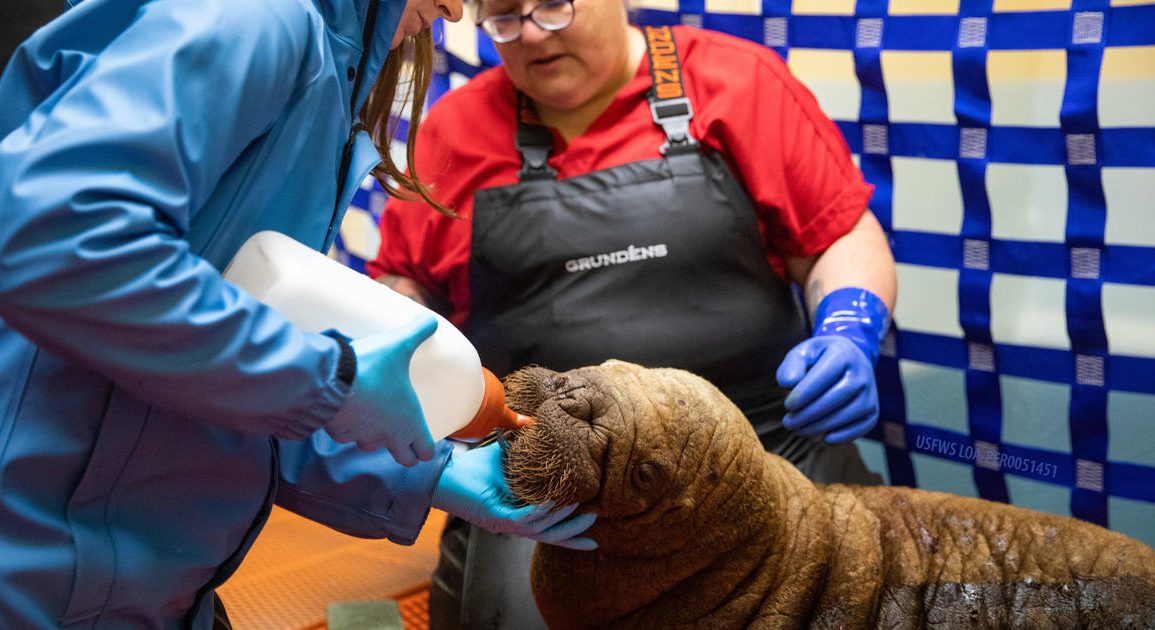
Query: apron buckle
{"points": [[673, 115]]}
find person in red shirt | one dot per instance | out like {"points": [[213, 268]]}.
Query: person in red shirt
{"points": [[648, 195]]}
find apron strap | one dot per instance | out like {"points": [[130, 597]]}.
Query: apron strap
{"points": [[534, 142], [669, 105]]}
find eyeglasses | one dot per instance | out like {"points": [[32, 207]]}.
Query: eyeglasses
{"points": [[550, 15]]}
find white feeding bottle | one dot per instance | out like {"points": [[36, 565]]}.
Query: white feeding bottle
{"points": [[460, 399]]}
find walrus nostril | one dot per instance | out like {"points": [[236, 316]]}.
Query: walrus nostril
{"points": [[577, 408]]}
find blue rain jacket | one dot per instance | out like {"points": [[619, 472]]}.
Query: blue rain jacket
{"points": [[148, 408]]}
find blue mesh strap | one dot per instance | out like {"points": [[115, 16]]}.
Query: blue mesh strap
{"points": [[1023, 461], [972, 109], [1018, 30], [867, 36], [1122, 264], [1125, 480], [693, 8], [892, 430], [1122, 373], [1133, 146], [1086, 224]]}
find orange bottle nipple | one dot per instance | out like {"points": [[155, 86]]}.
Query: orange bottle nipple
{"points": [[492, 414]]}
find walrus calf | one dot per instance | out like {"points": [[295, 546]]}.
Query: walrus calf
{"points": [[698, 526]]}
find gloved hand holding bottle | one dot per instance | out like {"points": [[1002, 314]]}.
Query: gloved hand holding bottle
{"points": [[381, 408], [832, 374], [473, 487]]}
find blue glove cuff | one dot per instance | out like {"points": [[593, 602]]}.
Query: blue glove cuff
{"points": [[856, 314]]}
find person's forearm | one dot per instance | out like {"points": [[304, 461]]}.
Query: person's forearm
{"points": [[860, 258], [408, 287], [360, 493]]}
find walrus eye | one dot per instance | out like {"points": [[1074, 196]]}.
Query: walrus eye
{"points": [[647, 477]]}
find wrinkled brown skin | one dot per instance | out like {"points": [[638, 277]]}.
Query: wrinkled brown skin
{"points": [[699, 527]]}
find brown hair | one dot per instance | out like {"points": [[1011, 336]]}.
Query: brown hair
{"points": [[413, 58]]}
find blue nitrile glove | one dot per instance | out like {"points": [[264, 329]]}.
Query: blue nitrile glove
{"points": [[381, 409], [473, 487], [832, 373]]}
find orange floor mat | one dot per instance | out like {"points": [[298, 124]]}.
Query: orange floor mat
{"points": [[298, 567], [414, 609]]}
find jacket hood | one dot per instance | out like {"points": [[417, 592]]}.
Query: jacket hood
{"points": [[346, 20]]}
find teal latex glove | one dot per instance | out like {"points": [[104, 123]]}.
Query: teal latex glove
{"points": [[381, 409], [834, 393], [473, 487]]}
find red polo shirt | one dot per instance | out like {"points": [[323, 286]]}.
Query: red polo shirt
{"points": [[791, 159]]}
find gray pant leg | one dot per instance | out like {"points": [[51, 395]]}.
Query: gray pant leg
{"points": [[497, 593], [838, 463], [448, 576], [484, 583]]}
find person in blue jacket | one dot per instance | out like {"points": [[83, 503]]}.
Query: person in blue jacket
{"points": [[150, 412]]}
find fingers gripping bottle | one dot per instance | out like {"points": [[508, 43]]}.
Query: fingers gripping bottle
{"points": [[460, 399]]}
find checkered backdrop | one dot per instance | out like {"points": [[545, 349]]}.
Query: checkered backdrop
{"points": [[1012, 147]]}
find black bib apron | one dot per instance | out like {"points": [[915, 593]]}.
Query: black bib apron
{"points": [[658, 262]]}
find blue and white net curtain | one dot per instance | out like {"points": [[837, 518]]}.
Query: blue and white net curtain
{"points": [[1012, 147]]}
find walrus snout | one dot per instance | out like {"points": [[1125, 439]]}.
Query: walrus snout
{"points": [[558, 457], [527, 388]]}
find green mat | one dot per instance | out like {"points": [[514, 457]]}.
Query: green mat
{"points": [[375, 615]]}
